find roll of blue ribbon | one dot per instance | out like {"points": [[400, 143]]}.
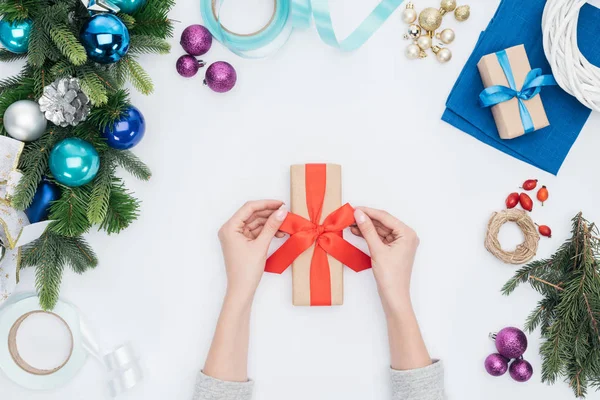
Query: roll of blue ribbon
{"points": [[534, 81], [290, 14]]}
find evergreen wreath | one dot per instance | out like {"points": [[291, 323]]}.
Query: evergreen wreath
{"points": [[54, 52], [569, 312]]}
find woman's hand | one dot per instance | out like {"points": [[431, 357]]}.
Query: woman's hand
{"points": [[393, 246], [245, 240]]}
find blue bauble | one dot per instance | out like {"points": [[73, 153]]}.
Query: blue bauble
{"points": [[127, 131], [74, 162], [14, 36], [105, 38], [129, 6], [46, 193]]}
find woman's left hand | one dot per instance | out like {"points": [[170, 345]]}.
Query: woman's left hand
{"points": [[245, 240]]}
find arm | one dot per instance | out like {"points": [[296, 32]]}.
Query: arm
{"points": [[245, 241], [393, 247]]}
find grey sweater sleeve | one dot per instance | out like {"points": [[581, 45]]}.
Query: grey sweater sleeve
{"points": [[419, 384], [208, 388]]}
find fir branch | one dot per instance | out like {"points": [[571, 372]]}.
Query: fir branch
{"points": [[112, 110], [137, 76], [69, 213], [39, 41], [127, 20], [123, 209], [100, 196], [78, 254], [68, 44], [8, 56], [92, 85], [132, 164], [148, 44]]}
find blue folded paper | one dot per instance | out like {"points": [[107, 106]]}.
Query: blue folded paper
{"points": [[518, 22]]}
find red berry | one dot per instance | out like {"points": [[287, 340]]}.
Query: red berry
{"points": [[512, 200], [530, 184], [542, 194], [545, 230], [526, 202]]}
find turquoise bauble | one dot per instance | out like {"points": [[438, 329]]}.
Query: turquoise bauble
{"points": [[14, 36], [129, 6], [105, 38], [74, 162]]}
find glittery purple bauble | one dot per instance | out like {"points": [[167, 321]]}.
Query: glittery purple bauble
{"points": [[196, 40], [220, 77], [511, 342], [521, 370], [187, 66], [496, 364]]}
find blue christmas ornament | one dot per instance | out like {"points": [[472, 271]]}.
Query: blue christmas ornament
{"points": [[127, 131], [14, 36], [46, 193], [105, 38], [74, 162], [129, 6]]}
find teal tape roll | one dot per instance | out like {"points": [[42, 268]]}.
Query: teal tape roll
{"points": [[290, 14]]}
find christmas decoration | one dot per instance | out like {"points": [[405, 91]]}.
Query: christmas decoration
{"points": [[196, 40], [511, 342], [99, 6], [74, 162], [105, 38], [127, 131], [46, 193], [188, 66], [462, 13], [14, 35], [55, 52], [526, 250], [521, 370], [512, 200], [220, 77], [24, 121], [64, 103], [526, 202], [569, 312], [529, 184], [422, 35], [542, 194], [129, 6], [496, 364], [545, 230]]}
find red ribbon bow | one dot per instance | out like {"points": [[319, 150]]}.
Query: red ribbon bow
{"points": [[327, 237]]}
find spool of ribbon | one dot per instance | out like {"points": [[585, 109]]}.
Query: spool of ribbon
{"points": [[15, 230], [288, 15], [531, 87], [122, 365], [327, 238]]}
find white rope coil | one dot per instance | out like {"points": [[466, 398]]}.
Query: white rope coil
{"points": [[573, 72]]}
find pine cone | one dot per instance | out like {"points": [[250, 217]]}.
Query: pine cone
{"points": [[64, 103]]}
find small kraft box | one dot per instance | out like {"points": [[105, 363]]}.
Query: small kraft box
{"points": [[510, 69]]}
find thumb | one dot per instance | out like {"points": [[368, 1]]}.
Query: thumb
{"points": [[272, 225], [367, 229]]}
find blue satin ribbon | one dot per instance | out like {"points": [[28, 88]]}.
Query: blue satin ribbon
{"points": [[534, 81], [289, 15]]}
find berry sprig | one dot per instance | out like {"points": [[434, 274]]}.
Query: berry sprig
{"points": [[526, 202]]}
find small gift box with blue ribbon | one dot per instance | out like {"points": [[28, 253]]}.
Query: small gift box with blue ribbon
{"points": [[513, 92]]}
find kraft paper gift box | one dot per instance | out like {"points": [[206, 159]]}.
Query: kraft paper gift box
{"points": [[507, 114], [316, 248]]}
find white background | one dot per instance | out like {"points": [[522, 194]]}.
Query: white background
{"points": [[160, 283]]}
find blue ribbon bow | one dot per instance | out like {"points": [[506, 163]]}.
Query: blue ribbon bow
{"points": [[534, 81]]}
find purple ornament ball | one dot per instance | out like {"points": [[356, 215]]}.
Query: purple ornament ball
{"points": [[521, 370], [511, 342], [196, 40], [187, 66], [496, 364], [220, 77]]}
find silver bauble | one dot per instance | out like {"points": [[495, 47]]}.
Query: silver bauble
{"points": [[24, 121]]}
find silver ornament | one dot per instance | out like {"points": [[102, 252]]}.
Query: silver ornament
{"points": [[64, 103], [413, 32], [24, 121], [100, 6]]}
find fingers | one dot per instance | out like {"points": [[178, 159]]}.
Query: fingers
{"points": [[251, 207], [272, 225], [387, 220], [367, 230]]}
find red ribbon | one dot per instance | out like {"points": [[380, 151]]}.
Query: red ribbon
{"points": [[327, 237]]}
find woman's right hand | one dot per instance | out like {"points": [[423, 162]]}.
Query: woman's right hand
{"points": [[393, 246]]}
